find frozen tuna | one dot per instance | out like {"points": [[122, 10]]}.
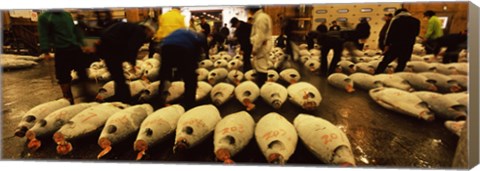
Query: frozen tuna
{"points": [[418, 82], [250, 75], [312, 65], [341, 81], [276, 137], [391, 80], [455, 127], [272, 75], [304, 95], [442, 106], [419, 66], [274, 94], [37, 113], [232, 134], [247, 92], [175, 91], [121, 125], [346, 67], [365, 81], [365, 68], [234, 64], [290, 75], [150, 92], [402, 102], [462, 80], [194, 126], [220, 64], [156, 127], [108, 89], [207, 64], [235, 77], [326, 141], [217, 75], [221, 93], [202, 74], [444, 83], [461, 97], [85, 123], [203, 90], [52, 122]]}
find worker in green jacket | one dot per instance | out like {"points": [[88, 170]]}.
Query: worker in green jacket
{"points": [[434, 31], [58, 32]]}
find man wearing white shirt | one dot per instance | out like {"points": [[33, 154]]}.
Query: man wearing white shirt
{"points": [[261, 42]]}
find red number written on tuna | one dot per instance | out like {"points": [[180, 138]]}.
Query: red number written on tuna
{"points": [[329, 138], [274, 134], [232, 129]]}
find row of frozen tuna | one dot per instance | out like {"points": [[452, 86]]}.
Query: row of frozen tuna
{"points": [[12, 61], [275, 135], [302, 94], [408, 81], [370, 64], [146, 69], [217, 75], [224, 60]]}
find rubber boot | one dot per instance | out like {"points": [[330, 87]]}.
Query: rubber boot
{"points": [[67, 92]]}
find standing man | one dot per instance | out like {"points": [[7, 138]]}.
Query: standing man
{"points": [[182, 50], [120, 43], [168, 23], [205, 26], [57, 30], [381, 36], [242, 33], [363, 32], [334, 26], [261, 42], [225, 31], [434, 31], [399, 41]]}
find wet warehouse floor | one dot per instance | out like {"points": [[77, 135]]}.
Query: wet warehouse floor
{"points": [[378, 137]]}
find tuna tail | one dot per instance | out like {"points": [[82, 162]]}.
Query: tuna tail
{"points": [[63, 147], [250, 106], [106, 145], [276, 158], [349, 88], [142, 146], [180, 145], [343, 156], [34, 143], [224, 155]]}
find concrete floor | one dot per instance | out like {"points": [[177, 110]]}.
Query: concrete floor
{"points": [[378, 137]]}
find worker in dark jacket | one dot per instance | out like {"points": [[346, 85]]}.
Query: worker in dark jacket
{"points": [[242, 34], [362, 32], [454, 43], [181, 49], [335, 26], [57, 30], [381, 36], [329, 41], [120, 43], [399, 42]]}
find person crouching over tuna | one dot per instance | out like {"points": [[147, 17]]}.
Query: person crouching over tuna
{"points": [[181, 49], [119, 43]]}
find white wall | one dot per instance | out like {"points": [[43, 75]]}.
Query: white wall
{"points": [[353, 15]]}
